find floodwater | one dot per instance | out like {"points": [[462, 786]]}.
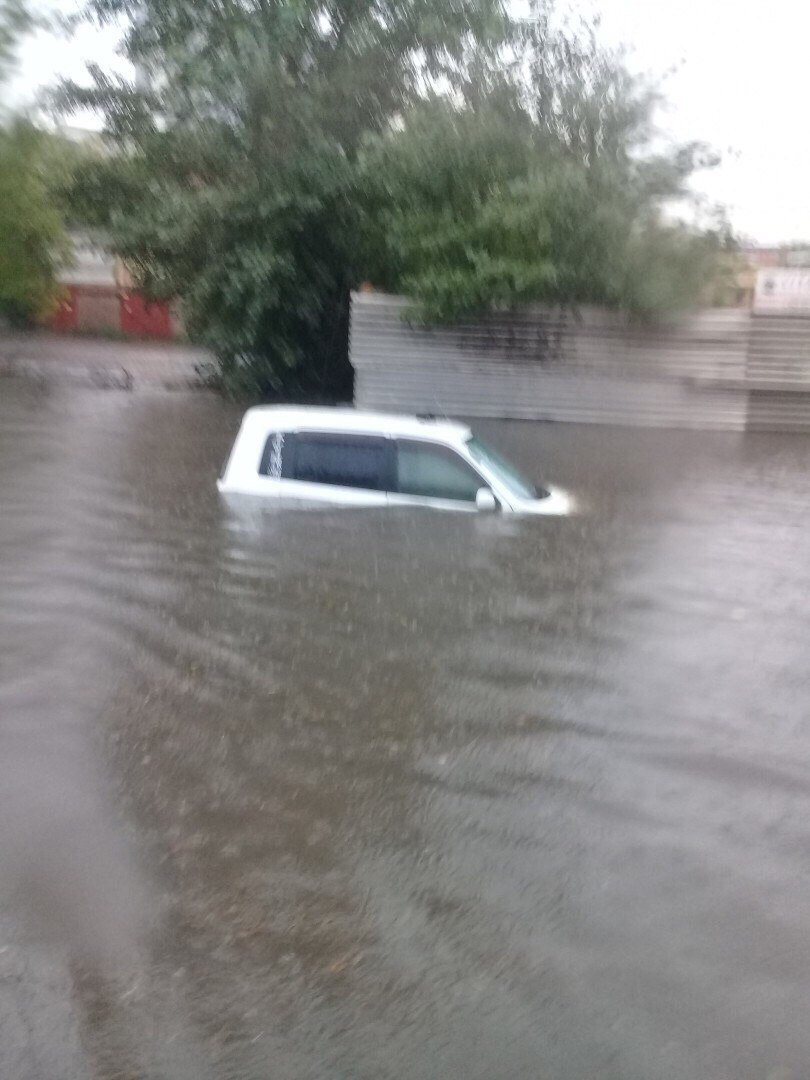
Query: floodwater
{"points": [[303, 795]]}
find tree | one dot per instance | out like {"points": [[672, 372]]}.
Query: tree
{"points": [[237, 188], [33, 243], [271, 155], [234, 185], [15, 20], [32, 239], [543, 187]]}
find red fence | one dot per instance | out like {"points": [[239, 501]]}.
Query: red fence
{"points": [[106, 309], [142, 319], [65, 318]]}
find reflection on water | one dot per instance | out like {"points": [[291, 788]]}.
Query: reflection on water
{"points": [[294, 794]]}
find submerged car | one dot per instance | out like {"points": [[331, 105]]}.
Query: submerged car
{"points": [[358, 458]]}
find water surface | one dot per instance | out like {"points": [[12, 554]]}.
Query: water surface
{"points": [[301, 794]]}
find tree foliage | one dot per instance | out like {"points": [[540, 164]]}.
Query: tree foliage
{"points": [[544, 186], [471, 214], [262, 269], [271, 155], [235, 182], [32, 240], [15, 19]]}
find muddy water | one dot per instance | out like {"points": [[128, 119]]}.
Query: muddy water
{"points": [[352, 794]]}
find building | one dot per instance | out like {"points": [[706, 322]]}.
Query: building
{"points": [[754, 258], [99, 298]]}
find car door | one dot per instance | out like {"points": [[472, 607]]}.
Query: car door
{"points": [[431, 474], [336, 467]]}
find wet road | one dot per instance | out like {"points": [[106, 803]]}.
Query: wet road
{"points": [[352, 794]]}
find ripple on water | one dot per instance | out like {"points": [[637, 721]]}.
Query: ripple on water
{"points": [[403, 795]]}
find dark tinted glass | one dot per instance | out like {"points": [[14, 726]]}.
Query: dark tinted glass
{"points": [[435, 471], [344, 460]]}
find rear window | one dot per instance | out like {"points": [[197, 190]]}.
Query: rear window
{"points": [[356, 461], [274, 455]]}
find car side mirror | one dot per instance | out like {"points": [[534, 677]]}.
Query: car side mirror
{"points": [[485, 500]]}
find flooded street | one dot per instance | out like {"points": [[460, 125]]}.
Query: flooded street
{"points": [[316, 794]]}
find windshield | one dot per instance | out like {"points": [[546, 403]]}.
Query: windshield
{"points": [[506, 473]]}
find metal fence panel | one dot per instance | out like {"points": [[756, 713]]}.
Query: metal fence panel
{"points": [[592, 367]]}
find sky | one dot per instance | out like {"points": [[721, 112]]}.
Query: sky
{"points": [[734, 78]]}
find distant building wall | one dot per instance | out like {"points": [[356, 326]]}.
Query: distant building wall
{"points": [[753, 259], [99, 298], [719, 369], [97, 309]]}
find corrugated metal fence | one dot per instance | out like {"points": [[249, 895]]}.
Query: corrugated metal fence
{"points": [[717, 369]]}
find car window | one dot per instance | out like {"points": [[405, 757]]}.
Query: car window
{"points": [[357, 461], [276, 455], [435, 471], [504, 470]]}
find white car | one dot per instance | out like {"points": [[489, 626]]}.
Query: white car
{"points": [[357, 458]]}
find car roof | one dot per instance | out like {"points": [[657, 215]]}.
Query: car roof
{"points": [[336, 418]]}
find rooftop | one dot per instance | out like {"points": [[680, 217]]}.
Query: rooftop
{"points": [[337, 418]]}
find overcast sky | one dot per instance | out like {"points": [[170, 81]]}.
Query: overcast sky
{"points": [[739, 84]]}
